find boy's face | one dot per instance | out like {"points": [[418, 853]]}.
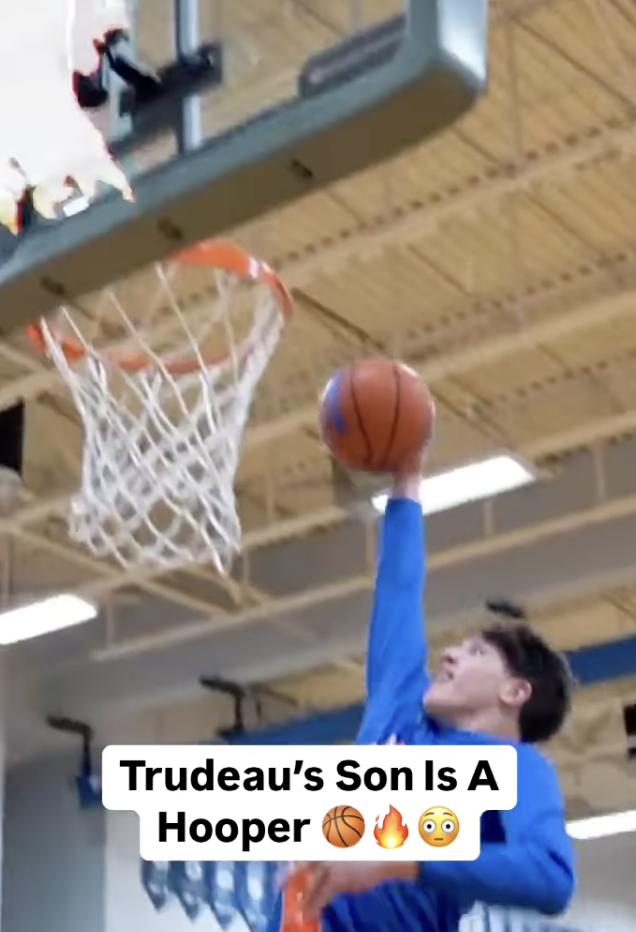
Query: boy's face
{"points": [[472, 678]]}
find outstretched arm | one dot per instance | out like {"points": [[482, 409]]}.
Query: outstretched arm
{"points": [[396, 659]]}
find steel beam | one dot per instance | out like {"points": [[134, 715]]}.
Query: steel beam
{"points": [[567, 537]]}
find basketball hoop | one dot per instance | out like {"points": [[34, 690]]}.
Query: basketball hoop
{"points": [[162, 369]]}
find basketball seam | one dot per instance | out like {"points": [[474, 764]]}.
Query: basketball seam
{"points": [[336, 821], [356, 408], [353, 827], [338, 815], [396, 415], [357, 816]]}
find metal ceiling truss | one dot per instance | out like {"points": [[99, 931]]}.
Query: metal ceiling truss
{"points": [[604, 310], [415, 224], [586, 499], [610, 308]]}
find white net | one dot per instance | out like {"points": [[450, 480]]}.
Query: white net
{"points": [[163, 426]]}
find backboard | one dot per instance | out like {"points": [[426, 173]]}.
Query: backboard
{"points": [[292, 96]]}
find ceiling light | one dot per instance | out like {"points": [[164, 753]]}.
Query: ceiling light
{"points": [[31, 621], [615, 823], [472, 482]]}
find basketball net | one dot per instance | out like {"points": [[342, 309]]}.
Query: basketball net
{"points": [[162, 369], [46, 137]]}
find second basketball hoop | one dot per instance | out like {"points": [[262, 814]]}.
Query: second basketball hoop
{"points": [[162, 369]]}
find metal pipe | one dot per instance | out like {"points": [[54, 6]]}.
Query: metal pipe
{"points": [[190, 132]]}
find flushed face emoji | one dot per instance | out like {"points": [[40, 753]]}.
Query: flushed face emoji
{"points": [[439, 827]]}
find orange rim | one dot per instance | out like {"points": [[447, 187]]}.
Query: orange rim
{"points": [[212, 253]]}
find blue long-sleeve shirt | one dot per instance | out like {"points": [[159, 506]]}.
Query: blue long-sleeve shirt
{"points": [[527, 857]]}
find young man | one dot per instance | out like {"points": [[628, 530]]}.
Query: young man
{"points": [[504, 685]]}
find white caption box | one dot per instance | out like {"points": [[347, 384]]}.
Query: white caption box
{"points": [[268, 803]]}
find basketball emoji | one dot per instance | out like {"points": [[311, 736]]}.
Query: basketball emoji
{"points": [[343, 826]]}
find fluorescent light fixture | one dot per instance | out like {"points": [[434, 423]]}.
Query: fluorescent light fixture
{"points": [[469, 483], [603, 826], [31, 621]]}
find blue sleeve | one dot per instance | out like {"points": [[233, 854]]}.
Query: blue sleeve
{"points": [[396, 658], [535, 867]]}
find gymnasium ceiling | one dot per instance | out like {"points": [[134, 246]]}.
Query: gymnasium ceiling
{"points": [[498, 260]]}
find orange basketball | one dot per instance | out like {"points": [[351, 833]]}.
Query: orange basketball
{"points": [[376, 415], [343, 826]]}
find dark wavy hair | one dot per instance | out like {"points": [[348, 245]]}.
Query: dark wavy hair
{"points": [[528, 656]]}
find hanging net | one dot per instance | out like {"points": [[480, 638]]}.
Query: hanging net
{"points": [[163, 369]]}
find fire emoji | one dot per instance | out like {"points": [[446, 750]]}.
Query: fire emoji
{"points": [[393, 832]]}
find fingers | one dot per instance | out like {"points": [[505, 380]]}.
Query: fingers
{"points": [[320, 890]]}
